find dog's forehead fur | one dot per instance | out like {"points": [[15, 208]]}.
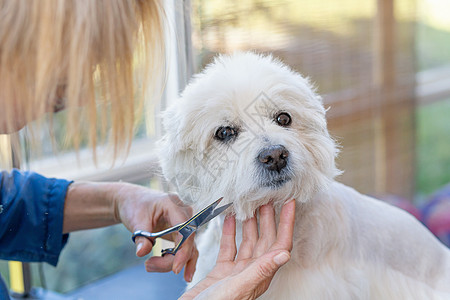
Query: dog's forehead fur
{"points": [[233, 88], [242, 77]]}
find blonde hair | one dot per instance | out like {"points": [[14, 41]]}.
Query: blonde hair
{"points": [[96, 57]]}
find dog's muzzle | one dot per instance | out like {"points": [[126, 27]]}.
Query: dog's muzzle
{"points": [[274, 158], [273, 163]]}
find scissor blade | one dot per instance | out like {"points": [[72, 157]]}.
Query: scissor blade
{"points": [[215, 213], [197, 219]]}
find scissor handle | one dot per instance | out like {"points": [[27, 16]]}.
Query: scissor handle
{"points": [[185, 231], [150, 235], [143, 233]]}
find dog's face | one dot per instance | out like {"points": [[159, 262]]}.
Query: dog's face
{"points": [[251, 130]]}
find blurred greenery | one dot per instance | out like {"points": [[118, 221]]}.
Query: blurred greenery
{"points": [[91, 255], [433, 46], [433, 147], [4, 270], [88, 256]]}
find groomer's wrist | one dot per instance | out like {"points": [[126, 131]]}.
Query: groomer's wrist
{"points": [[116, 193], [121, 195]]}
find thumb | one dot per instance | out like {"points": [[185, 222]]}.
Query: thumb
{"points": [[143, 246]]}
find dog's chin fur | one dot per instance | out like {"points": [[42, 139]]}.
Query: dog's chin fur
{"points": [[346, 245]]}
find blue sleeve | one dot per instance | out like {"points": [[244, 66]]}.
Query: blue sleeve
{"points": [[31, 217]]}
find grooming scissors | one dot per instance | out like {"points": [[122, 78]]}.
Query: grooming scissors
{"points": [[186, 228]]}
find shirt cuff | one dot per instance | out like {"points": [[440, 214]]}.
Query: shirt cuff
{"points": [[31, 221], [55, 239]]}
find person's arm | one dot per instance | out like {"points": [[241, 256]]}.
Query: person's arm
{"points": [[91, 205], [35, 211], [247, 274]]}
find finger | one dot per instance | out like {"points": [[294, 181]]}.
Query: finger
{"points": [[175, 199], [159, 263], [249, 238], [143, 246], [175, 211], [227, 251], [286, 227], [267, 229], [257, 277], [183, 254], [191, 266]]}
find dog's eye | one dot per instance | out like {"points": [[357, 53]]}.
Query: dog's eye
{"points": [[225, 133], [283, 119]]}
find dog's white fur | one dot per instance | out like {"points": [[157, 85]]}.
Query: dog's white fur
{"points": [[346, 245]]}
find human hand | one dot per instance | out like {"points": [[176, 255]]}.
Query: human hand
{"points": [[140, 208], [248, 275]]}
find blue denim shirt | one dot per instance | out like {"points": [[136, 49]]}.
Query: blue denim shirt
{"points": [[31, 218]]}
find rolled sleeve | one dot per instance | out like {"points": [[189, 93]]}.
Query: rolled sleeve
{"points": [[31, 217]]}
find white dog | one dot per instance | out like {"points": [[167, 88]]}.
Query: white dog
{"points": [[250, 129]]}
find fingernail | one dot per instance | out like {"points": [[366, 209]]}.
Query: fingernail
{"points": [[176, 269], [281, 258], [229, 216], [139, 246]]}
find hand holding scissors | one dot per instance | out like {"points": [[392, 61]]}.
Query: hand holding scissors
{"points": [[187, 228]]}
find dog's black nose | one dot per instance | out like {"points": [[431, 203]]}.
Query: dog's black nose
{"points": [[274, 158]]}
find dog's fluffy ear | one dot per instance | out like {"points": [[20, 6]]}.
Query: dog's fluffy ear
{"points": [[175, 138], [172, 140], [172, 120]]}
